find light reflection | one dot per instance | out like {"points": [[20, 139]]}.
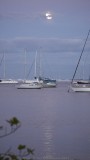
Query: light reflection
{"points": [[48, 141]]}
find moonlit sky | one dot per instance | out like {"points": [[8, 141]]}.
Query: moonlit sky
{"points": [[58, 39]]}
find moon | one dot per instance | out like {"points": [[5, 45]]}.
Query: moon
{"points": [[48, 15]]}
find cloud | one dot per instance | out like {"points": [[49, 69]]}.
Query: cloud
{"points": [[23, 16], [45, 44], [17, 16]]}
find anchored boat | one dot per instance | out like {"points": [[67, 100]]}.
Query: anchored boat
{"points": [[80, 85]]}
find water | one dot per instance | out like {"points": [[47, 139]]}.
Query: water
{"points": [[54, 122]]}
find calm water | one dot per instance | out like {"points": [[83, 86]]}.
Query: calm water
{"points": [[54, 122]]}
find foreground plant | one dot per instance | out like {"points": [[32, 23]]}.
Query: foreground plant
{"points": [[14, 124], [24, 152]]}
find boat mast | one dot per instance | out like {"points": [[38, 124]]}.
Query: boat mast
{"points": [[40, 64], [80, 56], [25, 67], [4, 75], [35, 76]]}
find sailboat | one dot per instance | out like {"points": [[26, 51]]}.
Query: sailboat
{"points": [[80, 85], [46, 82], [4, 80], [31, 84]]}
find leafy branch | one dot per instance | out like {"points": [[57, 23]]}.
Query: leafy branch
{"points": [[23, 150], [14, 124]]}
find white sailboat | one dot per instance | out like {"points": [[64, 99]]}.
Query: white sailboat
{"points": [[4, 80], [31, 84], [38, 81], [80, 85]]}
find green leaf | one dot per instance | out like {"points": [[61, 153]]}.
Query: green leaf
{"points": [[20, 147], [30, 151], [13, 121]]}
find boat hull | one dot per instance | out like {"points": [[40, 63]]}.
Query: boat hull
{"points": [[8, 81], [81, 88], [49, 85], [29, 86]]}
